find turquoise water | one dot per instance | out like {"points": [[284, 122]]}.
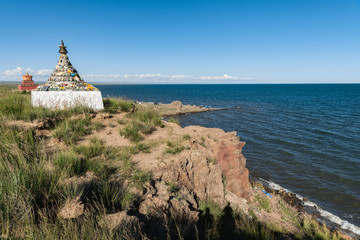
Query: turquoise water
{"points": [[303, 137]]}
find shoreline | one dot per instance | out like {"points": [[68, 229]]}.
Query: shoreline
{"points": [[171, 145], [304, 205]]}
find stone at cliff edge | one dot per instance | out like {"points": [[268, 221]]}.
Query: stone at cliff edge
{"points": [[229, 155], [65, 88]]}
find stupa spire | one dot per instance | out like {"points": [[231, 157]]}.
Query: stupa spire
{"points": [[65, 77], [62, 48], [65, 88]]}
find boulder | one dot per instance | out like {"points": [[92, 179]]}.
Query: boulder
{"points": [[73, 208], [122, 220]]}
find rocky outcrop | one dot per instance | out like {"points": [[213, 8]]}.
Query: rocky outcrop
{"points": [[211, 165], [229, 155], [195, 176]]}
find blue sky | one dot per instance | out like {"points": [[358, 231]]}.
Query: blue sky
{"points": [[180, 41]]}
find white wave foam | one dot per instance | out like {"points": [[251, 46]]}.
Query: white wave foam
{"points": [[345, 225], [342, 223]]}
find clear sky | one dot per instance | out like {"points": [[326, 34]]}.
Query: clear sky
{"points": [[180, 41]]}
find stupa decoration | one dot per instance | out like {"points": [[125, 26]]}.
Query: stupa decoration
{"points": [[27, 83], [65, 88], [65, 77]]}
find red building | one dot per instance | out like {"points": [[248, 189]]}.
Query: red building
{"points": [[27, 83]]}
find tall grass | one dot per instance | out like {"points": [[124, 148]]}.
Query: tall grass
{"points": [[17, 106], [131, 131], [70, 130], [147, 117], [32, 192], [144, 122], [174, 147], [113, 105], [26, 186]]}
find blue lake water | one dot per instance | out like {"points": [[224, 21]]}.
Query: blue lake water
{"points": [[304, 137]]}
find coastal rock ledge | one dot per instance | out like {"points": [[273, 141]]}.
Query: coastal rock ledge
{"points": [[211, 168]]}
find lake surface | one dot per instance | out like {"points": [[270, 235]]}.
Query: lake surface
{"points": [[303, 137]]}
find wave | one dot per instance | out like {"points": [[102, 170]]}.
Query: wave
{"points": [[323, 216]]}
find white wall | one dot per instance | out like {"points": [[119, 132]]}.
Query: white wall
{"points": [[64, 99]]}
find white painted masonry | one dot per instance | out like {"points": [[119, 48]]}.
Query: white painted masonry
{"points": [[65, 99]]}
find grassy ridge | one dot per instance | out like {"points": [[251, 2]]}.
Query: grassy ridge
{"points": [[32, 188], [35, 183]]}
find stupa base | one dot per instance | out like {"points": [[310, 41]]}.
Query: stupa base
{"points": [[66, 99]]}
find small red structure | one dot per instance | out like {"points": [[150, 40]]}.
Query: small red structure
{"points": [[27, 83]]}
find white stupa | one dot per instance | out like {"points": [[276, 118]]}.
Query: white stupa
{"points": [[65, 88]]}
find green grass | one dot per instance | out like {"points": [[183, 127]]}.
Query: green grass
{"points": [[129, 171], [318, 231], [289, 214], [263, 203], [113, 105], [17, 106], [97, 126], [140, 147], [69, 163], [214, 209], [32, 192], [226, 223], [27, 186], [202, 141], [173, 187], [186, 137], [94, 149], [148, 117], [174, 148], [131, 131], [70, 130], [144, 122]]}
